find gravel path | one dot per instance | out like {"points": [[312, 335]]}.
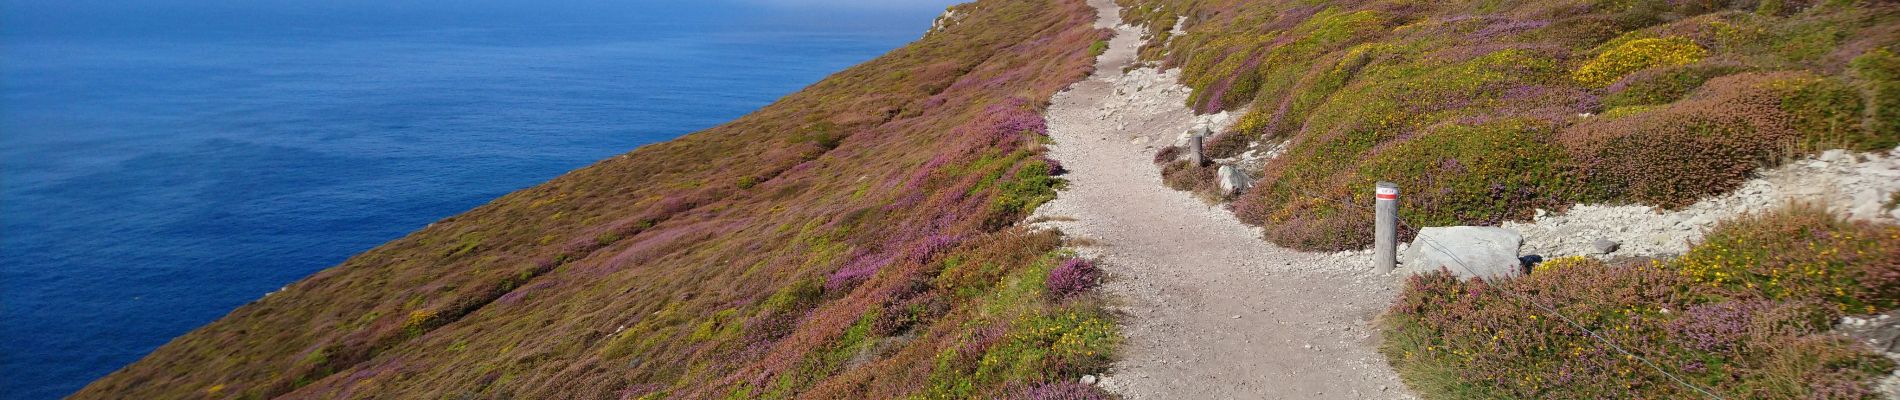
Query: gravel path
{"points": [[1210, 310]]}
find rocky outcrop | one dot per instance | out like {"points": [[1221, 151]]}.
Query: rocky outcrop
{"points": [[949, 18]]}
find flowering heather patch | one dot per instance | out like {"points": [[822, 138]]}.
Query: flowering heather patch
{"points": [[1012, 118], [1073, 277], [859, 269], [925, 250], [1723, 327], [1740, 339], [1055, 391]]}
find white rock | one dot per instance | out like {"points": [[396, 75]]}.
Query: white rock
{"points": [[1232, 181], [1467, 251], [1605, 246], [1089, 379], [1833, 155]]}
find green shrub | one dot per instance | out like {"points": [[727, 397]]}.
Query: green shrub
{"points": [[1474, 174], [1482, 339], [1710, 143], [1666, 84], [1807, 40], [1879, 73], [1801, 254], [1043, 347], [1673, 155], [1029, 187], [796, 295], [1254, 122], [1022, 334], [1829, 115], [825, 135], [1746, 314], [1451, 338], [1636, 55], [1228, 144]]}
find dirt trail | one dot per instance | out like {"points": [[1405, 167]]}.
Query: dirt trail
{"points": [[1211, 310]]}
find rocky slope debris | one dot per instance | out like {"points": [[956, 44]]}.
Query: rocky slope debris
{"points": [[1858, 185]]}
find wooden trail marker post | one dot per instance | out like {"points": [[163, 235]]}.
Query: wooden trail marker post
{"points": [[1194, 151], [1385, 229]]}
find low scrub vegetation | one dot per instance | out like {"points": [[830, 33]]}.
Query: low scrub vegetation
{"points": [[1486, 111], [1745, 314], [1603, 101], [856, 239]]}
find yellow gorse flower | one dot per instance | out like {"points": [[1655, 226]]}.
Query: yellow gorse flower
{"points": [[1637, 55]]}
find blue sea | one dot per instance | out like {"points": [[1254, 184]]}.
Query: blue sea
{"points": [[163, 162]]}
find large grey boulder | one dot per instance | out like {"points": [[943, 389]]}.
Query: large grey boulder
{"points": [[1467, 251], [1232, 181]]}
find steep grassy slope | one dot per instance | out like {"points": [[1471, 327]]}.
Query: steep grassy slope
{"points": [[1485, 110], [853, 239]]}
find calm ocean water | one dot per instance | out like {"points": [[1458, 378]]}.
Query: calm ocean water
{"points": [[161, 166]]}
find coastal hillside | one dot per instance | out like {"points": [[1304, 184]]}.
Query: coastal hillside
{"points": [[911, 227], [855, 239]]}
